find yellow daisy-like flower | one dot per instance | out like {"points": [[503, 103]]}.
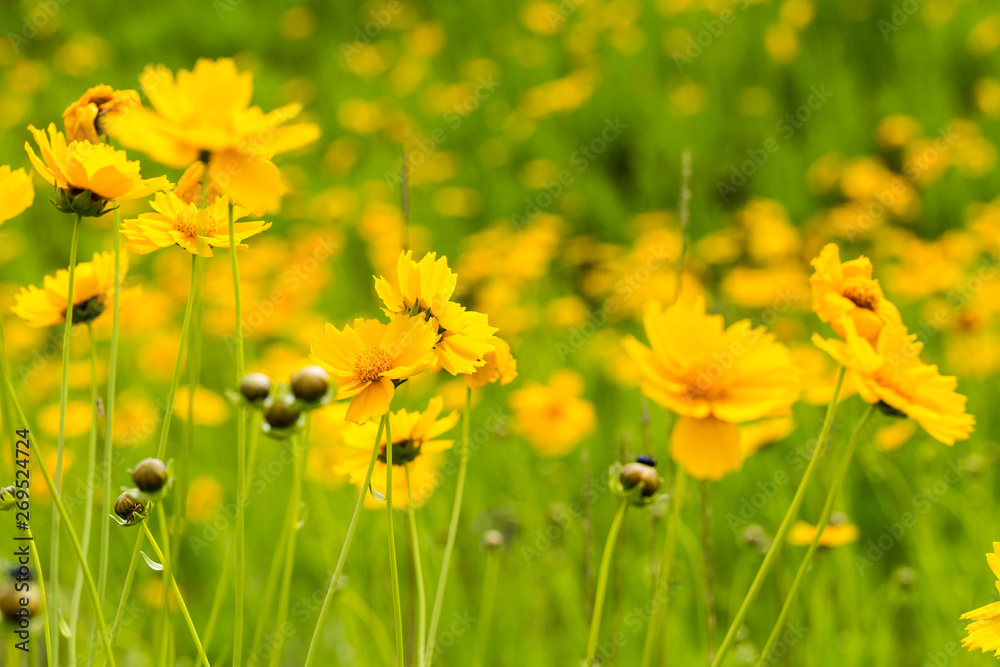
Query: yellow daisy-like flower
{"points": [[500, 366], [16, 192], [837, 533], [553, 417], [415, 444], [984, 631], [206, 111], [93, 288], [96, 111], [80, 166], [426, 287], [847, 289], [890, 373], [369, 358], [714, 377], [197, 230]]}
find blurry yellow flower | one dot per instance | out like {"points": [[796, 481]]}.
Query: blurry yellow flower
{"points": [[847, 291], [891, 373], [553, 417], [759, 434], [89, 118], [16, 192], [898, 130], [205, 496], [895, 435], [369, 357], [415, 444], [714, 377], [79, 419], [781, 42], [836, 534], [197, 230], [984, 631], [500, 365], [94, 286], [80, 165], [207, 111], [210, 408]]}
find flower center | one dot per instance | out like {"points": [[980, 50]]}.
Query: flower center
{"points": [[187, 224], [862, 293], [703, 386], [371, 363], [402, 452]]}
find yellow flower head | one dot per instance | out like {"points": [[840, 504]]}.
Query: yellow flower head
{"points": [[93, 288], [98, 109], [426, 287], [16, 192], [369, 357], [984, 631], [80, 166], [206, 111], [500, 365], [415, 444], [848, 290], [553, 417], [836, 534], [890, 373], [197, 230]]}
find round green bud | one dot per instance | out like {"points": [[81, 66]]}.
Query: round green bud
{"points": [[635, 474], [311, 383], [493, 540], [255, 387], [150, 475], [126, 507], [281, 413]]}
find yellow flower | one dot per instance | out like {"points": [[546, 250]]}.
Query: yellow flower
{"points": [[207, 111], [16, 192], [89, 117], [426, 287], [984, 631], [553, 417], [80, 165], [715, 378], [93, 288], [500, 365], [368, 358], [210, 408], [415, 444], [838, 533], [197, 230], [891, 374], [847, 290], [205, 498]]}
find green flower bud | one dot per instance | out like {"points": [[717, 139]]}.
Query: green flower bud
{"points": [[635, 474], [255, 387], [150, 475], [128, 508], [311, 383], [281, 413], [493, 540], [10, 601]]}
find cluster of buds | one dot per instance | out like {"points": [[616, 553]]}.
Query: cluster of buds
{"points": [[153, 479], [281, 405], [637, 482]]}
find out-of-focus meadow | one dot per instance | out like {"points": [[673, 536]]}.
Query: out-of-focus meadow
{"points": [[543, 143]]}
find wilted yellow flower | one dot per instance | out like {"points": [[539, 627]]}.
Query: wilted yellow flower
{"points": [[93, 288], [890, 373], [89, 117], [836, 534], [847, 291], [16, 192], [207, 111], [415, 443], [369, 357], [715, 378], [553, 417], [984, 631], [500, 365]]}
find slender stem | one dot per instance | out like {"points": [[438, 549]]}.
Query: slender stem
{"points": [[485, 621], [452, 529], [61, 442], [602, 583], [324, 610], [88, 512], [397, 611], [240, 452], [706, 555], [370, 618], [41, 588], [273, 577], [5, 416], [786, 523], [177, 595], [418, 570], [824, 519], [61, 509], [129, 577], [168, 408]]}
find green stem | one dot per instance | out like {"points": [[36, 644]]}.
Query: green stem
{"points": [[706, 556], [485, 621], [61, 509], [325, 609], [177, 595], [824, 519], [61, 442], [786, 524], [5, 416], [168, 410], [418, 570], [240, 452], [41, 588], [397, 611], [602, 583], [88, 512], [449, 546], [270, 588], [129, 577]]}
